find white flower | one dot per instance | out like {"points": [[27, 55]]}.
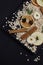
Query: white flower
{"points": [[39, 38], [36, 15]]}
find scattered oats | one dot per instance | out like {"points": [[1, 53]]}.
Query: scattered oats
{"points": [[17, 38], [10, 24], [28, 47], [3, 26], [6, 22], [26, 55], [13, 17], [20, 53], [6, 18], [6, 25], [23, 41], [26, 44], [27, 3], [19, 13], [24, 6], [12, 20], [17, 22], [13, 27], [33, 49], [13, 13], [37, 59], [27, 59]]}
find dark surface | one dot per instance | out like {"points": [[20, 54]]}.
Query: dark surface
{"points": [[9, 48]]}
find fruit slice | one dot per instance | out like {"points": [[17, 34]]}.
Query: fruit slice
{"points": [[34, 2], [40, 2], [24, 22], [39, 38], [38, 43]]}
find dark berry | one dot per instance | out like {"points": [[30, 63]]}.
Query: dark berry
{"points": [[24, 20], [30, 22], [18, 26]]}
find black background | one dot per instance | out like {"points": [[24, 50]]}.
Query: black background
{"points": [[9, 48]]}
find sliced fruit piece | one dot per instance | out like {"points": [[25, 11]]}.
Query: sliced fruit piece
{"points": [[31, 40], [37, 43], [36, 15], [38, 35], [24, 22], [40, 2], [34, 2], [39, 38]]}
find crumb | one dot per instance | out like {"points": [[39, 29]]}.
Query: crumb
{"points": [[26, 45], [26, 55], [6, 18], [12, 20], [33, 49], [20, 53], [3, 26], [27, 59], [13, 13], [17, 38], [23, 41], [6, 22], [6, 25], [37, 59], [13, 17], [27, 3]]}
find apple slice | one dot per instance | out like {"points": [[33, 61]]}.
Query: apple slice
{"points": [[40, 2]]}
